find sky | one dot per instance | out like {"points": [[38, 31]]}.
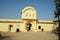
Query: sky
{"points": [[11, 9]]}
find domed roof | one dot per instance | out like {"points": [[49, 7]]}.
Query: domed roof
{"points": [[28, 8]]}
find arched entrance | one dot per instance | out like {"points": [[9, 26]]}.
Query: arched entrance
{"points": [[39, 27], [17, 28], [28, 26], [10, 27]]}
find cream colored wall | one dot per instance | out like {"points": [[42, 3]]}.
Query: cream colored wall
{"points": [[34, 25], [5, 27], [46, 27], [29, 15]]}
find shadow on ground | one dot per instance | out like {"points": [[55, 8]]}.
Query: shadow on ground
{"points": [[6, 37]]}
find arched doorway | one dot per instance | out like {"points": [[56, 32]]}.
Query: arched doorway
{"points": [[39, 27], [17, 28], [10, 27], [28, 26]]}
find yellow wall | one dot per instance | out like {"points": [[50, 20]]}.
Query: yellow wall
{"points": [[5, 26], [22, 26], [46, 27]]}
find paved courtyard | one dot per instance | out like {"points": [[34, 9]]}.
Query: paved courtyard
{"points": [[29, 36]]}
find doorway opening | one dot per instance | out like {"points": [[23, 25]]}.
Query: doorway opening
{"points": [[39, 27], [10, 27], [17, 30], [28, 26]]}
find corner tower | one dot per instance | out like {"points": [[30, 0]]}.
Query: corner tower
{"points": [[29, 13]]}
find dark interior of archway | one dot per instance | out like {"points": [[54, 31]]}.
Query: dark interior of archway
{"points": [[39, 27], [17, 30], [29, 27]]}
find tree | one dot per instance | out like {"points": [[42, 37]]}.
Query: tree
{"points": [[57, 14]]}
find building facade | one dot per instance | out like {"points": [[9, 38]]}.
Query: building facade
{"points": [[28, 22]]}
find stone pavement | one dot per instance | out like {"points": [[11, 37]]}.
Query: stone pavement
{"points": [[29, 36]]}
